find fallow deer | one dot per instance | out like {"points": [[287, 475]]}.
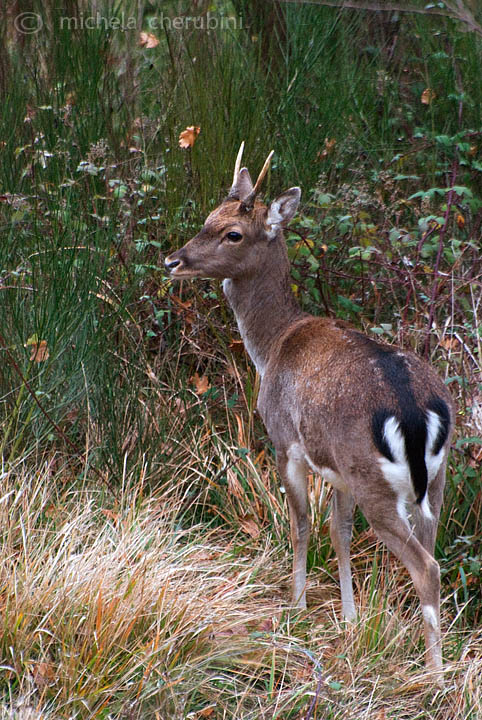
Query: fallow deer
{"points": [[374, 420]]}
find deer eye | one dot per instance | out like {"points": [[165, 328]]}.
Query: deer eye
{"points": [[234, 236]]}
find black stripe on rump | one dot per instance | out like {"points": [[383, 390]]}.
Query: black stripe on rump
{"points": [[411, 418]]}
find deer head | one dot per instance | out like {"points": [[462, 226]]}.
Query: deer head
{"points": [[236, 237]]}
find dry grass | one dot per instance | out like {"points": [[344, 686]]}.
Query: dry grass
{"points": [[122, 613]]}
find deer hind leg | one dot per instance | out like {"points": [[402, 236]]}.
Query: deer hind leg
{"points": [[293, 472], [340, 531], [426, 523], [399, 537]]}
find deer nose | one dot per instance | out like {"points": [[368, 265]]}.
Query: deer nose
{"points": [[172, 263]]}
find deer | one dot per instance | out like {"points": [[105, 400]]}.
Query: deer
{"points": [[373, 420]]}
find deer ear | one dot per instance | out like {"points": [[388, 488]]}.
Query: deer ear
{"points": [[244, 184], [284, 207]]}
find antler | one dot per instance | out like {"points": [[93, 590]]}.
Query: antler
{"points": [[237, 164], [263, 172], [242, 187], [248, 202]]}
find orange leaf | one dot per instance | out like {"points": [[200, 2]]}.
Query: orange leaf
{"points": [[201, 383], [329, 148], [40, 352], [206, 712], [189, 136], [450, 343], [148, 40], [428, 96]]}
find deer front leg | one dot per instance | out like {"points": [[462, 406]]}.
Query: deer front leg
{"points": [[340, 531], [293, 473]]}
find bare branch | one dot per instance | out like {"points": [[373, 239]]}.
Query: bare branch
{"points": [[456, 11]]}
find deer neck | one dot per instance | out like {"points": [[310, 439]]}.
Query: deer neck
{"points": [[264, 305]]}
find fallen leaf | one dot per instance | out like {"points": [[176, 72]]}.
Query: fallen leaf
{"points": [[148, 40], [239, 629], [303, 673], [201, 383], [188, 137], [250, 526], [266, 626], [206, 712], [428, 96], [43, 674]]}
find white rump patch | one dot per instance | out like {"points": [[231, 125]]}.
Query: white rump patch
{"points": [[397, 473], [433, 462], [425, 507]]}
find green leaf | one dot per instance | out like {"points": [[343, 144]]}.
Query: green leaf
{"points": [[475, 440], [461, 190], [349, 304]]}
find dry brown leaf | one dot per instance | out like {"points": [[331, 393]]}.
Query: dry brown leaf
{"points": [[303, 673], [40, 351], [43, 674], [188, 137], [183, 309], [428, 96], [206, 712], [111, 515], [236, 346], [450, 343], [238, 629], [250, 526], [148, 40], [201, 383], [329, 148]]}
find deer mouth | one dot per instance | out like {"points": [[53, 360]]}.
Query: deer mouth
{"points": [[183, 273]]}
